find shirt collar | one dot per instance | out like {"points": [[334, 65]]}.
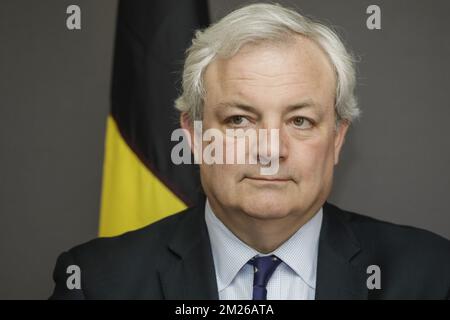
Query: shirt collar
{"points": [[230, 254]]}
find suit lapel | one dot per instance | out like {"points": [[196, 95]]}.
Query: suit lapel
{"points": [[339, 274], [192, 276]]}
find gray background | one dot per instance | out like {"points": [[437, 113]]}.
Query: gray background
{"points": [[54, 93]]}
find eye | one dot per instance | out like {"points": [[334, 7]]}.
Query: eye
{"points": [[237, 120], [302, 123]]}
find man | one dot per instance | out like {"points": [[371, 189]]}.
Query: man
{"points": [[265, 236]]}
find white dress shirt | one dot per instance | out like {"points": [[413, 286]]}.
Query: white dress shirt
{"points": [[294, 278]]}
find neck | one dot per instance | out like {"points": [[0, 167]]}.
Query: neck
{"points": [[263, 235]]}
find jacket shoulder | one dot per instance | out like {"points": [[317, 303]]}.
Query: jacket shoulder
{"points": [[408, 257], [388, 234], [152, 237], [118, 267]]}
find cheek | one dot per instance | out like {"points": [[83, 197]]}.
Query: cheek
{"points": [[220, 175], [221, 182], [313, 160], [210, 178]]}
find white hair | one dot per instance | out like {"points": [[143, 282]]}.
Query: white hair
{"points": [[253, 24]]}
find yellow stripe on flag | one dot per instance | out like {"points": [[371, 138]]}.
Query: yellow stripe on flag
{"points": [[132, 196]]}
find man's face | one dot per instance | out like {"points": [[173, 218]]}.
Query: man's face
{"points": [[290, 87]]}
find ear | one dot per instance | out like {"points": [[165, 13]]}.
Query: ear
{"points": [[187, 124], [339, 139]]}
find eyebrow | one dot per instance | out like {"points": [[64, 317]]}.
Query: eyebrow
{"points": [[309, 103]]}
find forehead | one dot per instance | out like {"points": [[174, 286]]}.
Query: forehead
{"points": [[272, 73]]}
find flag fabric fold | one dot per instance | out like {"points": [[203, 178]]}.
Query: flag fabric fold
{"points": [[140, 182]]}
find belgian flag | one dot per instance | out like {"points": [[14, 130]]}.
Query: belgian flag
{"points": [[140, 183]]}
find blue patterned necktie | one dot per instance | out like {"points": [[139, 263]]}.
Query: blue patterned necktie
{"points": [[263, 268]]}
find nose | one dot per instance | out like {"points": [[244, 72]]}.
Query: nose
{"points": [[272, 143]]}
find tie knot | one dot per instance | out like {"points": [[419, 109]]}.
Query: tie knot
{"points": [[264, 268]]}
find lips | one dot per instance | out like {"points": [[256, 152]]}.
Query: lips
{"points": [[269, 179]]}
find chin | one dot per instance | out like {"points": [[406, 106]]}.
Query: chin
{"points": [[265, 207]]}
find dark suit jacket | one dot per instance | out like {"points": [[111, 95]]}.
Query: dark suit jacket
{"points": [[172, 259]]}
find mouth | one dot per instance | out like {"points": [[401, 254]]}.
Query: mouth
{"points": [[269, 179]]}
